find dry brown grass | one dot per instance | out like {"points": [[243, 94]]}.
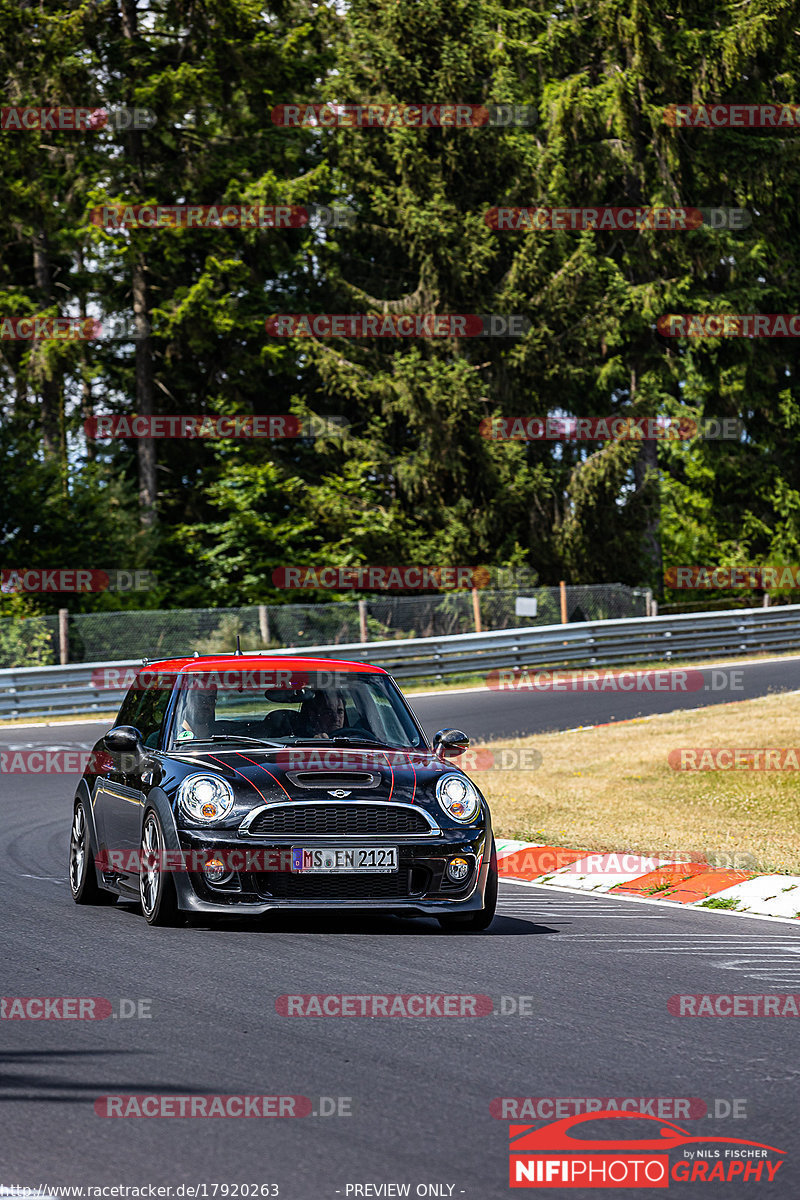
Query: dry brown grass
{"points": [[612, 788]]}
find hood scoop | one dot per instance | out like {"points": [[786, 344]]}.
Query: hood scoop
{"points": [[334, 779]]}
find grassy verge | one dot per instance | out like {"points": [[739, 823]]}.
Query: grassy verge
{"points": [[612, 788]]}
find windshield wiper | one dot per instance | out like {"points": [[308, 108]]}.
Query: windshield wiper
{"points": [[363, 739], [230, 737], [367, 740], [345, 740]]}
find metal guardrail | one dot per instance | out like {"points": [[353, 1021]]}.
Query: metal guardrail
{"points": [[78, 689]]}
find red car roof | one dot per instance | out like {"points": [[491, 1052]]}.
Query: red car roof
{"points": [[234, 662]]}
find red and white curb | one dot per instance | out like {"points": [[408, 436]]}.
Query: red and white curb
{"points": [[636, 876]]}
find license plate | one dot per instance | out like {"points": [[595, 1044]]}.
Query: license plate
{"points": [[342, 860]]}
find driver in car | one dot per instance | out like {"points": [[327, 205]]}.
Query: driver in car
{"points": [[324, 714]]}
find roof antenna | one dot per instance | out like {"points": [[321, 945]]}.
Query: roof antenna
{"points": [[238, 650]]}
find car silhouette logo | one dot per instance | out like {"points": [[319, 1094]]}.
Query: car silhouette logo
{"points": [[558, 1136], [338, 793]]}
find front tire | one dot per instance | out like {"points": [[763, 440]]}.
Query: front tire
{"points": [[82, 874], [475, 922], [156, 887]]}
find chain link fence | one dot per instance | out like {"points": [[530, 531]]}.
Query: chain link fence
{"points": [[154, 633]]}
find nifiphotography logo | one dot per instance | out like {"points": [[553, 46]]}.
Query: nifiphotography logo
{"points": [[587, 1151]]}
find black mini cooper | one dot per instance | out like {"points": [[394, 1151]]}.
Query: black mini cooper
{"points": [[245, 783]]}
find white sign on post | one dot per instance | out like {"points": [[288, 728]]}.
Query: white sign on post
{"points": [[526, 606]]}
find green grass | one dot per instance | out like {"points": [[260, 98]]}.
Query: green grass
{"points": [[613, 788]]}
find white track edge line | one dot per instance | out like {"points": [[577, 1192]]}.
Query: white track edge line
{"points": [[674, 904]]}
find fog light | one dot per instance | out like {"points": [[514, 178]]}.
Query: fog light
{"points": [[457, 870], [215, 870]]}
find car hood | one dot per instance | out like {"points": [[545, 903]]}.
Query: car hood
{"points": [[309, 772]]}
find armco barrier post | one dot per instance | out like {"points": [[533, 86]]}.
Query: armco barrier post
{"points": [[263, 623], [476, 610], [63, 636]]}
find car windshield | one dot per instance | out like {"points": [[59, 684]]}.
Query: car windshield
{"points": [[290, 708]]}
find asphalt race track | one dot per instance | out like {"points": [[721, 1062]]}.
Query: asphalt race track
{"points": [[592, 976], [508, 713]]}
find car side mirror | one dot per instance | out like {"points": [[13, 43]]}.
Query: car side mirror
{"points": [[126, 741], [449, 743], [123, 739]]}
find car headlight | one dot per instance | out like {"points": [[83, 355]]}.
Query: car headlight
{"points": [[458, 797], [205, 798]]}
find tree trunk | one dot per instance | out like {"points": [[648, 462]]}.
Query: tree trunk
{"points": [[49, 389], [87, 402], [146, 450], [144, 395]]}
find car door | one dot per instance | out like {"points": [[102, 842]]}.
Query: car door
{"points": [[126, 793], [110, 788]]}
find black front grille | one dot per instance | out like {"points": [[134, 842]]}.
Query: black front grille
{"points": [[400, 886], [345, 820]]}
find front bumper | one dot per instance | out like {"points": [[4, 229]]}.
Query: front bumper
{"points": [[419, 886]]}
